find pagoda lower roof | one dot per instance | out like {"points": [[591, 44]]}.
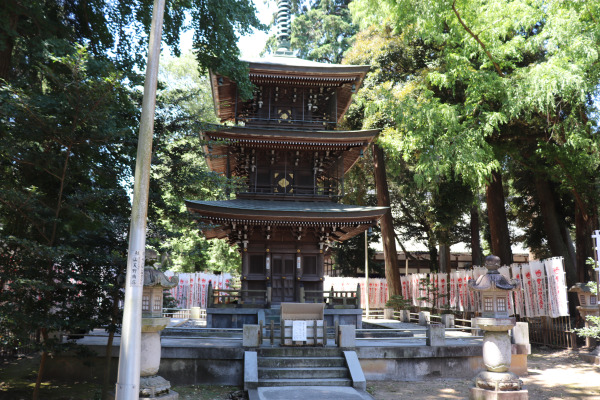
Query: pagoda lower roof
{"points": [[351, 141], [219, 214]]}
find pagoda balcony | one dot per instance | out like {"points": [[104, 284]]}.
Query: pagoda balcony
{"points": [[332, 189], [289, 108]]}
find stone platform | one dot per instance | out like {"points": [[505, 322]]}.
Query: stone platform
{"points": [[189, 360]]}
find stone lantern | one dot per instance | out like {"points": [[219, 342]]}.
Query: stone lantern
{"points": [[588, 305], [153, 386], [496, 382]]}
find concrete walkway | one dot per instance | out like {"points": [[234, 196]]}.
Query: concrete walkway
{"points": [[308, 393]]}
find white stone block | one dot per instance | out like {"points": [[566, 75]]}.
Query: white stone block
{"points": [[347, 336], [250, 336]]}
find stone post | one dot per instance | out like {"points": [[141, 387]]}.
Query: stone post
{"points": [[153, 386], [436, 335], [405, 315], [448, 320], [424, 318]]}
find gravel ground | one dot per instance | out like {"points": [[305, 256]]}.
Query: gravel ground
{"points": [[553, 374]]}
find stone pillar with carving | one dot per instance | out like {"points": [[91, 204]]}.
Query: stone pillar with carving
{"points": [[153, 386], [496, 382]]}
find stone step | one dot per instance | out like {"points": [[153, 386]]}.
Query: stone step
{"points": [[299, 352], [315, 362], [303, 373], [305, 382]]}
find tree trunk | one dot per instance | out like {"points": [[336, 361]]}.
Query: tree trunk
{"points": [[107, 366], [38, 382], [444, 260], [392, 275], [476, 256], [585, 224], [500, 242], [556, 231], [108, 355], [433, 254], [6, 48]]}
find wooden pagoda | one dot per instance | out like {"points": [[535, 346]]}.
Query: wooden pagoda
{"points": [[285, 148]]}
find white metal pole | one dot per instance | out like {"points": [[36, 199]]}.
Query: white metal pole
{"points": [[128, 380], [596, 250], [367, 271]]}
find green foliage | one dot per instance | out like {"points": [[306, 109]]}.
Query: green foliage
{"points": [[398, 303], [593, 330], [530, 64], [349, 257], [66, 146], [432, 293], [217, 25], [324, 32], [321, 31], [179, 171], [429, 212]]}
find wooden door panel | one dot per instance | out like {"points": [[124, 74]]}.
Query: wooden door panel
{"points": [[282, 279]]}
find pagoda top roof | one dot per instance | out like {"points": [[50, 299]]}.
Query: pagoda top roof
{"points": [[279, 62], [289, 70], [350, 219]]}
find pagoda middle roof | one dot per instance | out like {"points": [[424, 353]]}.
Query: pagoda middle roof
{"points": [[350, 141]]}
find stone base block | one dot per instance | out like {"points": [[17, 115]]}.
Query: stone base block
{"points": [[156, 387], [167, 396], [591, 358], [500, 381], [483, 394]]}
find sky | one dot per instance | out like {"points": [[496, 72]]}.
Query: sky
{"points": [[251, 45]]}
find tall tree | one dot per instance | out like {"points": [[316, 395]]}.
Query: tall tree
{"points": [[67, 123], [427, 212], [65, 149], [506, 74]]}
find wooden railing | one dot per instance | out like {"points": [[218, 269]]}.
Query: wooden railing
{"points": [[332, 298], [236, 297]]}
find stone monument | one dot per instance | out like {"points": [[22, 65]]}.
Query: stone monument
{"points": [[153, 386], [496, 382]]}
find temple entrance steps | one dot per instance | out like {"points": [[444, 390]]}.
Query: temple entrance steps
{"points": [[302, 367]]}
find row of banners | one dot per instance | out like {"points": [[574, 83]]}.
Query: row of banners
{"points": [[542, 289], [192, 290]]}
